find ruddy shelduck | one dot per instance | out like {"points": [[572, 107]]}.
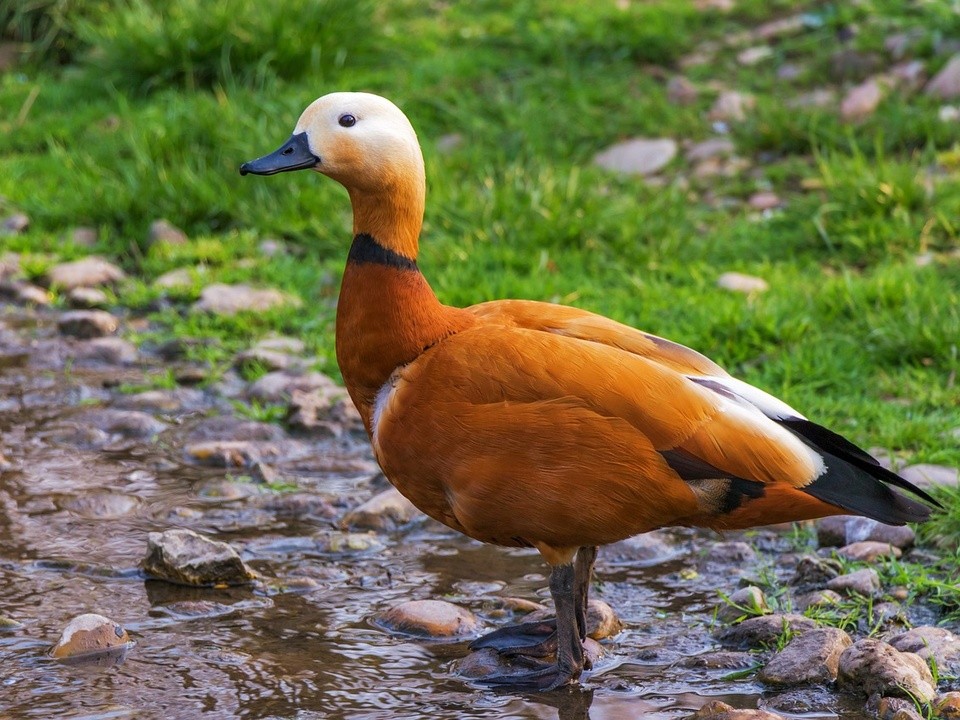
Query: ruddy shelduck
{"points": [[528, 424]]}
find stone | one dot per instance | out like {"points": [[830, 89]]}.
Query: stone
{"points": [[780, 28], [868, 551], [270, 360], [813, 657], [87, 297], [385, 512], [817, 598], [832, 530], [107, 350], [764, 630], [84, 236], [819, 98], [947, 706], [935, 643], [736, 552], [602, 621], [8, 624], [436, 619], [861, 100], [764, 201], [127, 423], [184, 557], [9, 265], [163, 232], [91, 271], [89, 635], [102, 505], [925, 475], [639, 156], [348, 543], [859, 529], [790, 71], [720, 660], [710, 148], [739, 282], [894, 708], [277, 387], [228, 427], [680, 91], [745, 602], [872, 666], [731, 106], [486, 662], [909, 75], [865, 582], [14, 224], [652, 548], [946, 83], [86, 324], [175, 279], [221, 299], [718, 710], [231, 453], [754, 55], [281, 344], [23, 293]]}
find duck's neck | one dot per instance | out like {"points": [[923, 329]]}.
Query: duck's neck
{"points": [[387, 316]]}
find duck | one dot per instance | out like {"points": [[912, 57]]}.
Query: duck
{"points": [[529, 424]]}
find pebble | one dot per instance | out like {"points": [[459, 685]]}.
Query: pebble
{"points": [[14, 224], [731, 106], [865, 582], [174, 279], [840, 530], [946, 83], [817, 598], [9, 265], [227, 300], [8, 623], [764, 201], [436, 619], [127, 423], [782, 27], [813, 657], [909, 75], [107, 350], [92, 271], [947, 706], [639, 156], [385, 512], [710, 148], [746, 601], [680, 91], [23, 293], [87, 297], [872, 666], [764, 630], [277, 387], [652, 548], [184, 557], [869, 551], [736, 552], [102, 505], [739, 282], [925, 476], [84, 236], [89, 635], [228, 427], [861, 100], [170, 402], [754, 55], [231, 453], [163, 232], [932, 642], [347, 543], [894, 708], [819, 98], [717, 710], [308, 412], [86, 324], [720, 660]]}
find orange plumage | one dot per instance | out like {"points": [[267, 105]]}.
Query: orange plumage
{"points": [[529, 424]]}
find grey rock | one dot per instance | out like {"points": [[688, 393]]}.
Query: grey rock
{"points": [[718, 710], [932, 642], [862, 100], [764, 201], [818, 98], [163, 232], [127, 423], [680, 91], [869, 550], [429, 618], [810, 658], [92, 271], [175, 279], [732, 106], [107, 350], [232, 453], [84, 236], [865, 582], [347, 543], [754, 55], [925, 475], [816, 598], [738, 282], [221, 299], [780, 28], [764, 630], [894, 708], [272, 360], [14, 224], [720, 660], [227, 427], [736, 552], [281, 344], [170, 402], [308, 412], [909, 75], [9, 265], [184, 557], [277, 387], [946, 83], [86, 324], [87, 297], [710, 148], [745, 602], [90, 635], [859, 529], [102, 505], [652, 548], [872, 666], [947, 706], [386, 511], [639, 156], [20, 292], [832, 530]]}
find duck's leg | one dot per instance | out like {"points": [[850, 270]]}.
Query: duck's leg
{"points": [[539, 639], [569, 647]]}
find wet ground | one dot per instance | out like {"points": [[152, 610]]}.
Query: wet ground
{"points": [[79, 496]]}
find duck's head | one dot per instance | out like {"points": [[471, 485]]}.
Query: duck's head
{"points": [[361, 140]]}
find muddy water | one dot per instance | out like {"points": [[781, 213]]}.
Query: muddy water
{"points": [[77, 502]]}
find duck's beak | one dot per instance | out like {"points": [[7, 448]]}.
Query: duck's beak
{"points": [[294, 154]]}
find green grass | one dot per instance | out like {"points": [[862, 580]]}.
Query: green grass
{"points": [[126, 111]]}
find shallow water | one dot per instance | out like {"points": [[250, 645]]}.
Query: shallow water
{"points": [[75, 510]]}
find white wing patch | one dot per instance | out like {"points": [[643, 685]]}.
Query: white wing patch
{"points": [[772, 407], [380, 403]]}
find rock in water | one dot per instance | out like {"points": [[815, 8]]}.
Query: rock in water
{"points": [[187, 558], [872, 666], [386, 511], [435, 619], [813, 657], [91, 635]]}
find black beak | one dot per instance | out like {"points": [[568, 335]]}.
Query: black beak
{"points": [[294, 154]]}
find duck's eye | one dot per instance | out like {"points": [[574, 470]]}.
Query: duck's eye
{"points": [[347, 120]]}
